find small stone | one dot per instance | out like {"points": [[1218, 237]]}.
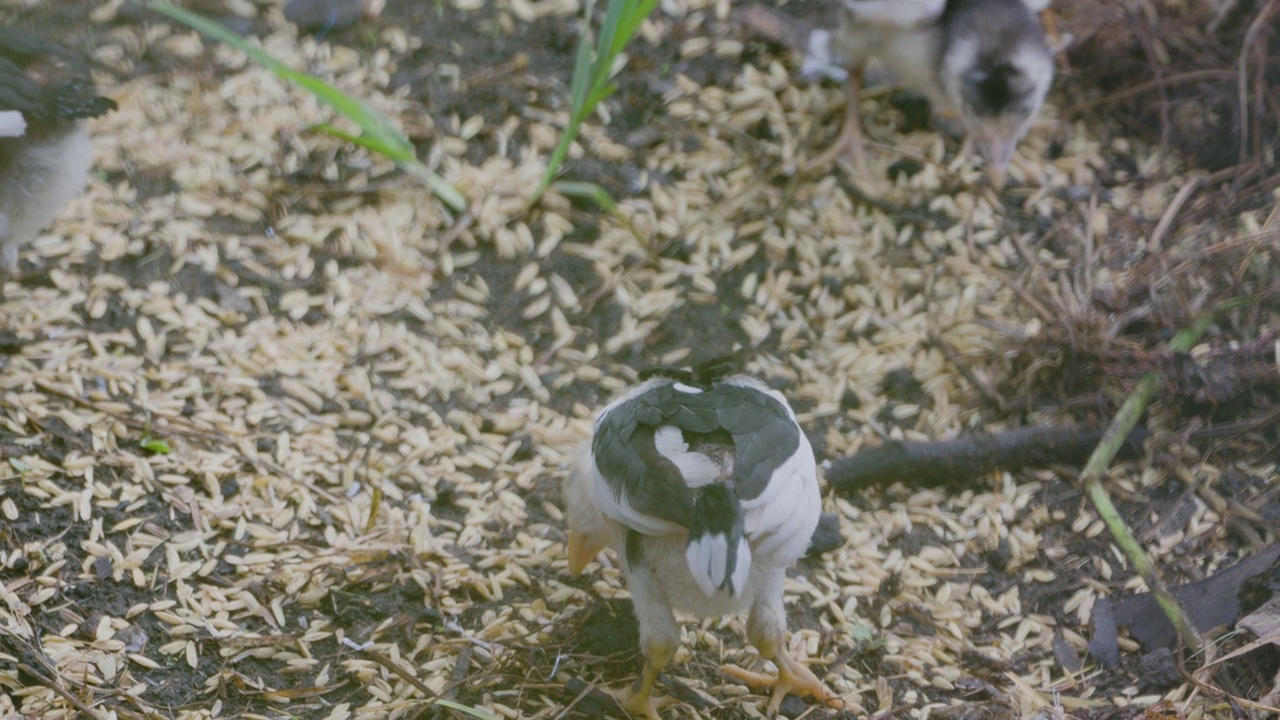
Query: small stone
{"points": [[1000, 556], [826, 537], [1159, 669], [904, 168], [792, 706], [1067, 657], [850, 400], [324, 15]]}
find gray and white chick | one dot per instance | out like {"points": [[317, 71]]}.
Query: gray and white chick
{"points": [[46, 93], [986, 61]]}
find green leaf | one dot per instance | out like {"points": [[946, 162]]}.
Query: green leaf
{"points": [[587, 191], [582, 63], [377, 132], [861, 633], [592, 71], [412, 165], [332, 131], [155, 445], [18, 465], [629, 23]]}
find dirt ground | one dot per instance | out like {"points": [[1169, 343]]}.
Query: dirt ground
{"points": [[283, 435]]}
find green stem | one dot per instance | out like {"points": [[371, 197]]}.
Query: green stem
{"points": [[1100, 460]]}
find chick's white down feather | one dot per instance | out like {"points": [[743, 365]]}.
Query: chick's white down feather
{"points": [[708, 558], [582, 514], [903, 36], [12, 124], [38, 181], [697, 469]]}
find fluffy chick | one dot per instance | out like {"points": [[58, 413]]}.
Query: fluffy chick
{"points": [[985, 61], [45, 152], [707, 493]]}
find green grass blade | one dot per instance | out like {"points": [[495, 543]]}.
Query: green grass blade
{"points": [[592, 73], [361, 140], [553, 166], [377, 132], [582, 62], [438, 186], [579, 104], [587, 191], [629, 23], [609, 42], [412, 165], [370, 120]]}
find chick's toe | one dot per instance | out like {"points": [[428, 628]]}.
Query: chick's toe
{"points": [[640, 704], [793, 678]]}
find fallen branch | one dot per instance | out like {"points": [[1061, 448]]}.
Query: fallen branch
{"points": [[960, 461]]}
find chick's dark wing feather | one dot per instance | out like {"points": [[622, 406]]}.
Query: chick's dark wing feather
{"points": [[738, 409], [17, 91], [77, 99], [764, 435], [22, 46], [45, 82], [626, 455]]}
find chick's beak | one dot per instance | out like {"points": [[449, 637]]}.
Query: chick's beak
{"points": [[997, 176], [996, 146], [996, 139], [581, 549]]}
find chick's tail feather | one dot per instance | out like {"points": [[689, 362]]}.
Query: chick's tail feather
{"points": [[717, 551]]}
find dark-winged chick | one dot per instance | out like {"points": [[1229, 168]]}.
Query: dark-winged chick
{"points": [[46, 93], [707, 490]]}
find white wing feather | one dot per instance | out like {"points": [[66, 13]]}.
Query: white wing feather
{"points": [[12, 124], [895, 13], [697, 469]]}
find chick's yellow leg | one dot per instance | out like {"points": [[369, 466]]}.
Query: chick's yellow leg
{"points": [[659, 638], [767, 629], [638, 700], [849, 144], [793, 678]]}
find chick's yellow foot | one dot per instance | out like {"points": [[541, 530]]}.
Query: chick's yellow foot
{"points": [[641, 705], [848, 146], [792, 678]]}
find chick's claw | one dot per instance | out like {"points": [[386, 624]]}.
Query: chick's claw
{"points": [[640, 704], [792, 678]]}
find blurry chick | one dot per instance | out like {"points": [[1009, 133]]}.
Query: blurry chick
{"points": [[985, 60], [708, 491], [45, 152]]}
